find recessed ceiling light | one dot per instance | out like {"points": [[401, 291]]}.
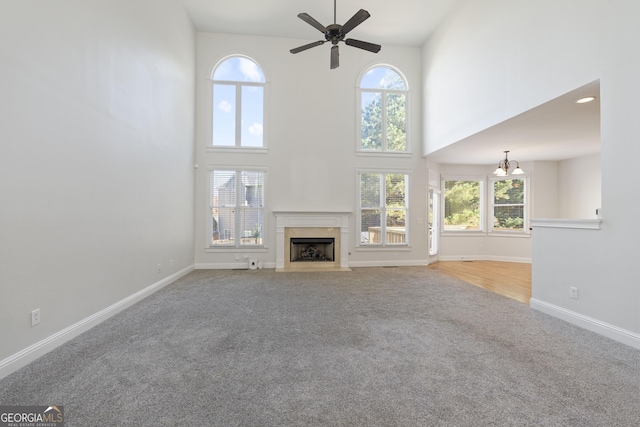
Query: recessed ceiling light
{"points": [[585, 99]]}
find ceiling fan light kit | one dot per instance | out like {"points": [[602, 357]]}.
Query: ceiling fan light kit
{"points": [[336, 33]]}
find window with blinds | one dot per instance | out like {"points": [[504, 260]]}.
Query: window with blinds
{"points": [[237, 208], [383, 208]]}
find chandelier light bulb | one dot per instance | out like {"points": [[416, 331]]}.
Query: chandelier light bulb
{"points": [[505, 165]]}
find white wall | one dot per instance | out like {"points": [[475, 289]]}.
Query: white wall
{"points": [[502, 58], [311, 135], [580, 182], [545, 190], [96, 171]]}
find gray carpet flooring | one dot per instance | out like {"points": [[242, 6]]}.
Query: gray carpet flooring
{"points": [[371, 347]]}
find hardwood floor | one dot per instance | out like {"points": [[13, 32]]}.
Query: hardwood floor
{"points": [[510, 279]]}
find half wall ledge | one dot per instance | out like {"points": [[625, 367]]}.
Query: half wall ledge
{"points": [[585, 224]]}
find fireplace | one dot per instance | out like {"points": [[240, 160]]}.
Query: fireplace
{"points": [[311, 249], [312, 241]]}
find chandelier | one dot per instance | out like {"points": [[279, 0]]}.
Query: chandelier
{"points": [[505, 165]]}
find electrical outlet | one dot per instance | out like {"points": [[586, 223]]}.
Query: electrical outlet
{"points": [[159, 267], [573, 292], [171, 263], [35, 317]]}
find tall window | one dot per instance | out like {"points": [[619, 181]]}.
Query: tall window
{"points": [[463, 204], [238, 103], [508, 198], [237, 208], [383, 111], [383, 208]]}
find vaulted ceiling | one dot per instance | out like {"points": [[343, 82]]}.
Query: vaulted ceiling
{"points": [[559, 129], [556, 130], [398, 22]]}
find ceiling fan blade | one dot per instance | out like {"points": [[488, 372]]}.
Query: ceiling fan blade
{"points": [[355, 20], [309, 20], [307, 46], [335, 57], [375, 48]]}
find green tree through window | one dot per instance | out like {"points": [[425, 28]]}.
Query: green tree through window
{"points": [[508, 204], [383, 99], [462, 204]]}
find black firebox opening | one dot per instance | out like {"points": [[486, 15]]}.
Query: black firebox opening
{"points": [[312, 249]]}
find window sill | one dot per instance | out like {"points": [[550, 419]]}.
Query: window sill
{"points": [[235, 249], [248, 150], [507, 234], [372, 153], [465, 233], [483, 234]]}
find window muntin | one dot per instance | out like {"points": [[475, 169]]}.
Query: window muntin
{"points": [[237, 208], [383, 111], [383, 208], [508, 205], [238, 103], [463, 204]]}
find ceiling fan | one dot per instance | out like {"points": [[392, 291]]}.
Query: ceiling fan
{"points": [[336, 33]]}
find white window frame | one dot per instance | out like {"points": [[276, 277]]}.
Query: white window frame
{"points": [[238, 110], [383, 211], [384, 92], [491, 206], [237, 245], [434, 227], [482, 180]]}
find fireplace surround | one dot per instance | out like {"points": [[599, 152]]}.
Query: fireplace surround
{"points": [[308, 226]]}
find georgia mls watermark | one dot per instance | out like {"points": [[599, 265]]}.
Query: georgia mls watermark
{"points": [[31, 416]]}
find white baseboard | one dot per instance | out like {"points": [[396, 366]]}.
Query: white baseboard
{"points": [[222, 266], [31, 353], [483, 258], [244, 266], [229, 265], [615, 333]]}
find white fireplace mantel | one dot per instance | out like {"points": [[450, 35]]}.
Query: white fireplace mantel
{"points": [[308, 219]]}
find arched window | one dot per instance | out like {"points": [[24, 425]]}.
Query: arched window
{"points": [[383, 110], [238, 103]]}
